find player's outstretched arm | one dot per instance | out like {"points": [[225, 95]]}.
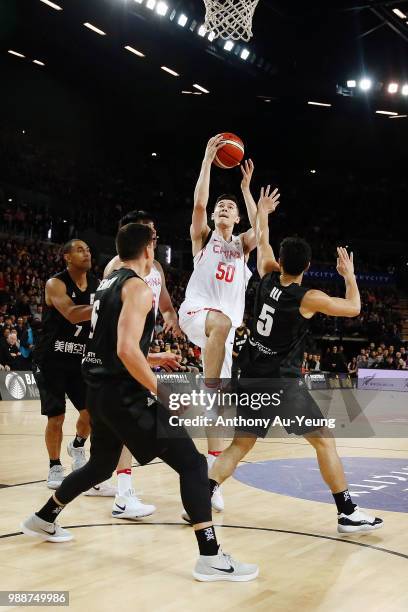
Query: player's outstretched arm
{"points": [[56, 295], [350, 306], [267, 204], [136, 304], [166, 307], [249, 237], [199, 227]]}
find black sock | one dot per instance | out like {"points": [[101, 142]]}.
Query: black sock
{"points": [[78, 441], [50, 511], [213, 486], [207, 541], [343, 502], [54, 462]]}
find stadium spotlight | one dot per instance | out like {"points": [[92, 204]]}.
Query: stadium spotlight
{"points": [[15, 53], [244, 54], [211, 36], [94, 28], [229, 45], [388, 113], [154, 154], [313, 172], [392, 88], [38, 62], [182, 20], [319, 103], [139, 1], [365, 84], [200, 88], [134, 51], [352, 83], [404, 90], [170, 71], [151, 4], [162, 8], [399, 13], [52, 5], [201, 30]]}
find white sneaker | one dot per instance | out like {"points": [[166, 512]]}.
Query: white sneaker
{"points": [[357, 522], [55, 477], [217, 500], [78, 456], [186, 517], [223, 567], [129, 506], [103, 489], [36, 527]]}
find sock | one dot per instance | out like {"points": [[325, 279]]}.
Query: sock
{"points": [[50, 511], [211, 457], [213, 486], [54, 462], [124, 481], [207, 541], [78, 441], [343, 502]]}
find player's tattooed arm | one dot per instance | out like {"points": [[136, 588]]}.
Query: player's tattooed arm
{"points": [[136, 304], [56, 295], [199, 229], [349, 306], [267, 204], [166, 307]]}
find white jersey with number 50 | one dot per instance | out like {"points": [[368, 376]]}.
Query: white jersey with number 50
{"points": [[219, 278]]}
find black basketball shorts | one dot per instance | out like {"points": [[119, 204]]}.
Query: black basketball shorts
{"points": [[293, 407], [54, 382]]}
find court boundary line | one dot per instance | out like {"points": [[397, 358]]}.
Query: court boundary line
{"points": [[270, 529]]}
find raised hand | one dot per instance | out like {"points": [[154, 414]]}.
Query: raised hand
{"points": [[345, 262], [268, 202], [168, 361], [247, 169], [215, 143]]}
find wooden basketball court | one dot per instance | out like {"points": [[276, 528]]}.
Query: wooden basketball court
{"points": [[146, 565]]}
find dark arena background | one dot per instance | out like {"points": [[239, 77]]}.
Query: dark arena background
{"points": [[106, 107]]}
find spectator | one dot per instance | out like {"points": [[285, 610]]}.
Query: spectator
{"points": [[15, 359]]}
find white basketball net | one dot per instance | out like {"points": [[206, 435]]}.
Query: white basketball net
{"points": [[230, 19]]}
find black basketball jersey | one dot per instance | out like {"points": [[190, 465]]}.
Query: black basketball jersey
{"points": [[62, 342], [101, 362], [278, 330]]}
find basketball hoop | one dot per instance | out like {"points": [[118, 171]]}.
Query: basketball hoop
{"points": [[230, 19]]}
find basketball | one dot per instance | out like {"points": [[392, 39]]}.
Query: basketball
{"points": [[231, 153]]}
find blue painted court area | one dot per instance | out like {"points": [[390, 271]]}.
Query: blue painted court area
{"points": [[373, 482]]}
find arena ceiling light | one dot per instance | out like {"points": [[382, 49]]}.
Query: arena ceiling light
{"points": [[170, 71], [162, 8], [38, 62], [182, 20], [134, 51], [139, 1], [399, 117], [211, 36], [352, 83], [52, 5], [318, 103], [229, 45], [392, 88], [151, 4], [244, 54], [399, 13], [16, 53], [404, 90], [202, 30], [186, 92], [94, 28], [365, 84], [200, 88], [389, 113]]}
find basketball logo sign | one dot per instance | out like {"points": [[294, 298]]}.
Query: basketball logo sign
{"points": [[15, 385]]}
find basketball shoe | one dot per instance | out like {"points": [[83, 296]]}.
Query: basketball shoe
{"points": [[223, 567], [35, 527], [129, 506], [55, 477], [77, 455], [103, 489], [357, 522]]}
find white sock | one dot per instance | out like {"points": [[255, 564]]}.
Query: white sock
{"points": [[210, 461], [124, 483]]}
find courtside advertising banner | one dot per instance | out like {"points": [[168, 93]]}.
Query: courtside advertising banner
{"points": [[18, 386]]}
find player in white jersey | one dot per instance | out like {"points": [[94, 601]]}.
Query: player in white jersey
{"points": [[127, 505], [215, 296]]}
